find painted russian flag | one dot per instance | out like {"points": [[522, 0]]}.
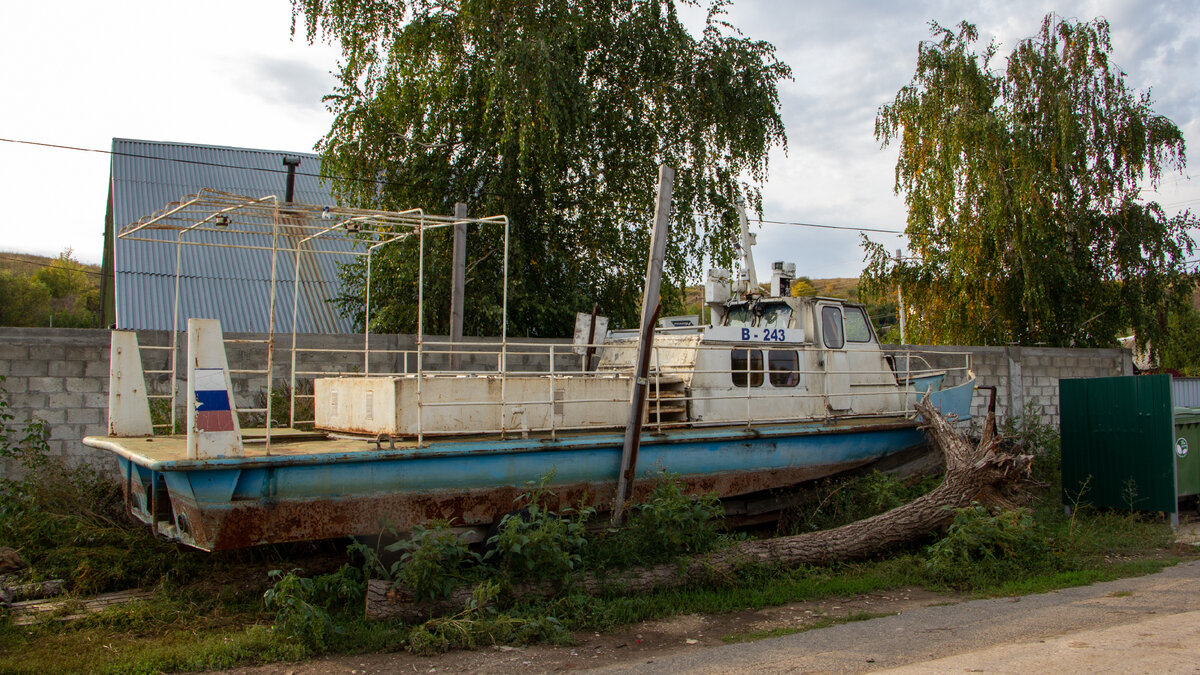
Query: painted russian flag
{"points": [[213, 412]]}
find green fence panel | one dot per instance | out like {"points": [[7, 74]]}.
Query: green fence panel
{"points": [[1118, 442]]}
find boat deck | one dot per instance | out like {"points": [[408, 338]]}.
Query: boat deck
{"points": [[298, 446]]}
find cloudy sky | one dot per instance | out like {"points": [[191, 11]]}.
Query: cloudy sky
{"points": [[79, 73]]}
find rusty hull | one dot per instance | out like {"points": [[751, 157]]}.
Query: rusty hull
{"points": [[224, 505]]}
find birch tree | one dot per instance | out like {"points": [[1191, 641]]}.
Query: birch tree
{"points": [[1023, 186], [556, 113]]}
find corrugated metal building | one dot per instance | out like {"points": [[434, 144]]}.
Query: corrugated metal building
{"points": [[229, 284]]}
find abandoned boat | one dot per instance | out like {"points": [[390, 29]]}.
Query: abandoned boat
{"points": [[775, 390]]}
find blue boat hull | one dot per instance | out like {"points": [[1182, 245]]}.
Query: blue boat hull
{"points": [[233, 503], [229, 503]]}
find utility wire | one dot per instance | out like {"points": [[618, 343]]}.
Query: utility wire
{"points": [[832, 227], [35, 263], [375, 181]]}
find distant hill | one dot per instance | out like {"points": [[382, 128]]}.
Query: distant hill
{"points": [[37, 290], [28, 264], [841, 287]]}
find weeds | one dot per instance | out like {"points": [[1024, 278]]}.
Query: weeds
{"points": [[985, 544], [304, 607], [1031, 435], [536, 542], [69, 522], [846, 500], [670, 524], [280, 400], [434, 561]]}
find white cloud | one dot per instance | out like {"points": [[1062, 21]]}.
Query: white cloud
{"points": [[227, 73]]}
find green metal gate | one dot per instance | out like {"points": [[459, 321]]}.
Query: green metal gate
{"points": [[1118, 443]]}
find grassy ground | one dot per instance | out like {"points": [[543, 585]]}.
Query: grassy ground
{"points": [[207, 611]]}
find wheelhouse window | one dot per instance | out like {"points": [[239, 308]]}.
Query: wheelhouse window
{"points": [[775, 315], [762, 315], [831, 327], [738, 315], [784, 367], [746, 366], [857, 327]]}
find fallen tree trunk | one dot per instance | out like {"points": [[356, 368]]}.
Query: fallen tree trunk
{"points": [[974, 473]]}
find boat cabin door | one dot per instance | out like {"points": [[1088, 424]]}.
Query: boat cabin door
{"points": [[837, 363]]}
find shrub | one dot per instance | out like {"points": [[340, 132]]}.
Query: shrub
{"points": [[434, 561], [69, 522], [839, 501], [669, 524], [982, 544], [305, 607], [536, 542]]}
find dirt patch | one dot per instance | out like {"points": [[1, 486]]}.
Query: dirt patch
{"points": [[640, 643]]}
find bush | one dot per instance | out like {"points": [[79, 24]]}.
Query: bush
{"points": [[1030, 435], [305, 607], [670, 524], [536, 542], [435, 561], [839, 501], [69, 522], [984, 545]]}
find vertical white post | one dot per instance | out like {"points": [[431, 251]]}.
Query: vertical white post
{"points": [[900, 306], [128, 405], [212, 424]]}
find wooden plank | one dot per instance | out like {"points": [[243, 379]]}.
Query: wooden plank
{"points": [[34, 611]]}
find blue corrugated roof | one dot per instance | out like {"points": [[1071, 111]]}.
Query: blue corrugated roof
{"points": [[232, 285]]}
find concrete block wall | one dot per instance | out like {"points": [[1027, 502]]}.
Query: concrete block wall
{"points": [[61, 375], [1026, 378]]}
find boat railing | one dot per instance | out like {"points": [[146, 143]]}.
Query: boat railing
{"points": [[891, 385], [673, 367]]}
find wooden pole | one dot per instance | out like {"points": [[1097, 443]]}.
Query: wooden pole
{"points": [[591, 349], [900, 305], [633, 429], [459, 281]]}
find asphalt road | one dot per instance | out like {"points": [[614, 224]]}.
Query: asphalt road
{"points": [[1147, 624]]}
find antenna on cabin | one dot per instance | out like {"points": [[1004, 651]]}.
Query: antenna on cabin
{"points": [[747, 242]]}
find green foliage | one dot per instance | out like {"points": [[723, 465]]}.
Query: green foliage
{"points": [[281, 407], [434, 561], [304, 607], [59, 294], [480, 623], [836, 502], [558, 114], [668, 525], [978, 535], [23, 301], [1022, 187], [1179, 349], [536, 542], [68, 521], [1030, 434]]}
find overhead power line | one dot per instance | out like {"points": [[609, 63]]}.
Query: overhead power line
{"points": [[832, 227], [375, 181], [82, 268]]}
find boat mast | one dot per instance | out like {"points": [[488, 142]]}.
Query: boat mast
{"points": [[748, 241]]}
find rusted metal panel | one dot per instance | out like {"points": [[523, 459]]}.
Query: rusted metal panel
{"points": [[215, 506]]}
